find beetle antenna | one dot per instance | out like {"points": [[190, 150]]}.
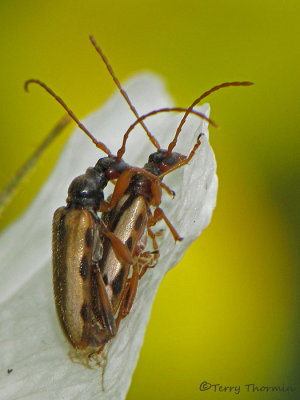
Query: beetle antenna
{"points": [[100, 145], [121, 151], [205, 94], [123, 92]]}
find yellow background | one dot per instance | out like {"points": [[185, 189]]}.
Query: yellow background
{"points": [[228, 313]]}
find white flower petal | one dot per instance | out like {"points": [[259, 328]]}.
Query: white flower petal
{"points": [[30, 337]]}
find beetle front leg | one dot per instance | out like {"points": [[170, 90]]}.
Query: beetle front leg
{"points": [[159, 215], [120, 188]]}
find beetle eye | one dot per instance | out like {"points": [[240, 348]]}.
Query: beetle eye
{"points": [[84, 193], [157, 157]]}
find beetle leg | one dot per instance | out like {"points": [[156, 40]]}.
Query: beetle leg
{"points": [[148, 257], [147, 260], [159, 215], [129, 295], [124, 181], [153, 238], [120, 188], [120, 249], [106, 307], [144, 269]]}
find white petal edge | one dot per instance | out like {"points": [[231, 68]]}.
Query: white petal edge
{"points": [[31, 342]]}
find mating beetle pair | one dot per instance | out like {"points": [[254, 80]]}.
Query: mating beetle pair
{"points": [[97, 263]]}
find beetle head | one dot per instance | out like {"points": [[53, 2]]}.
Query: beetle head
{"points": [[162, 160], [111, 166]]}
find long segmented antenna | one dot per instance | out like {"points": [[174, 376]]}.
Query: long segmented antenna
{"points": [[98, 144], [205, 94], [122, 91], [121, 151], [10, 189]]}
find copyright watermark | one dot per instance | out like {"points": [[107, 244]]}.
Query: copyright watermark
{"points": [[250, 387]]}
